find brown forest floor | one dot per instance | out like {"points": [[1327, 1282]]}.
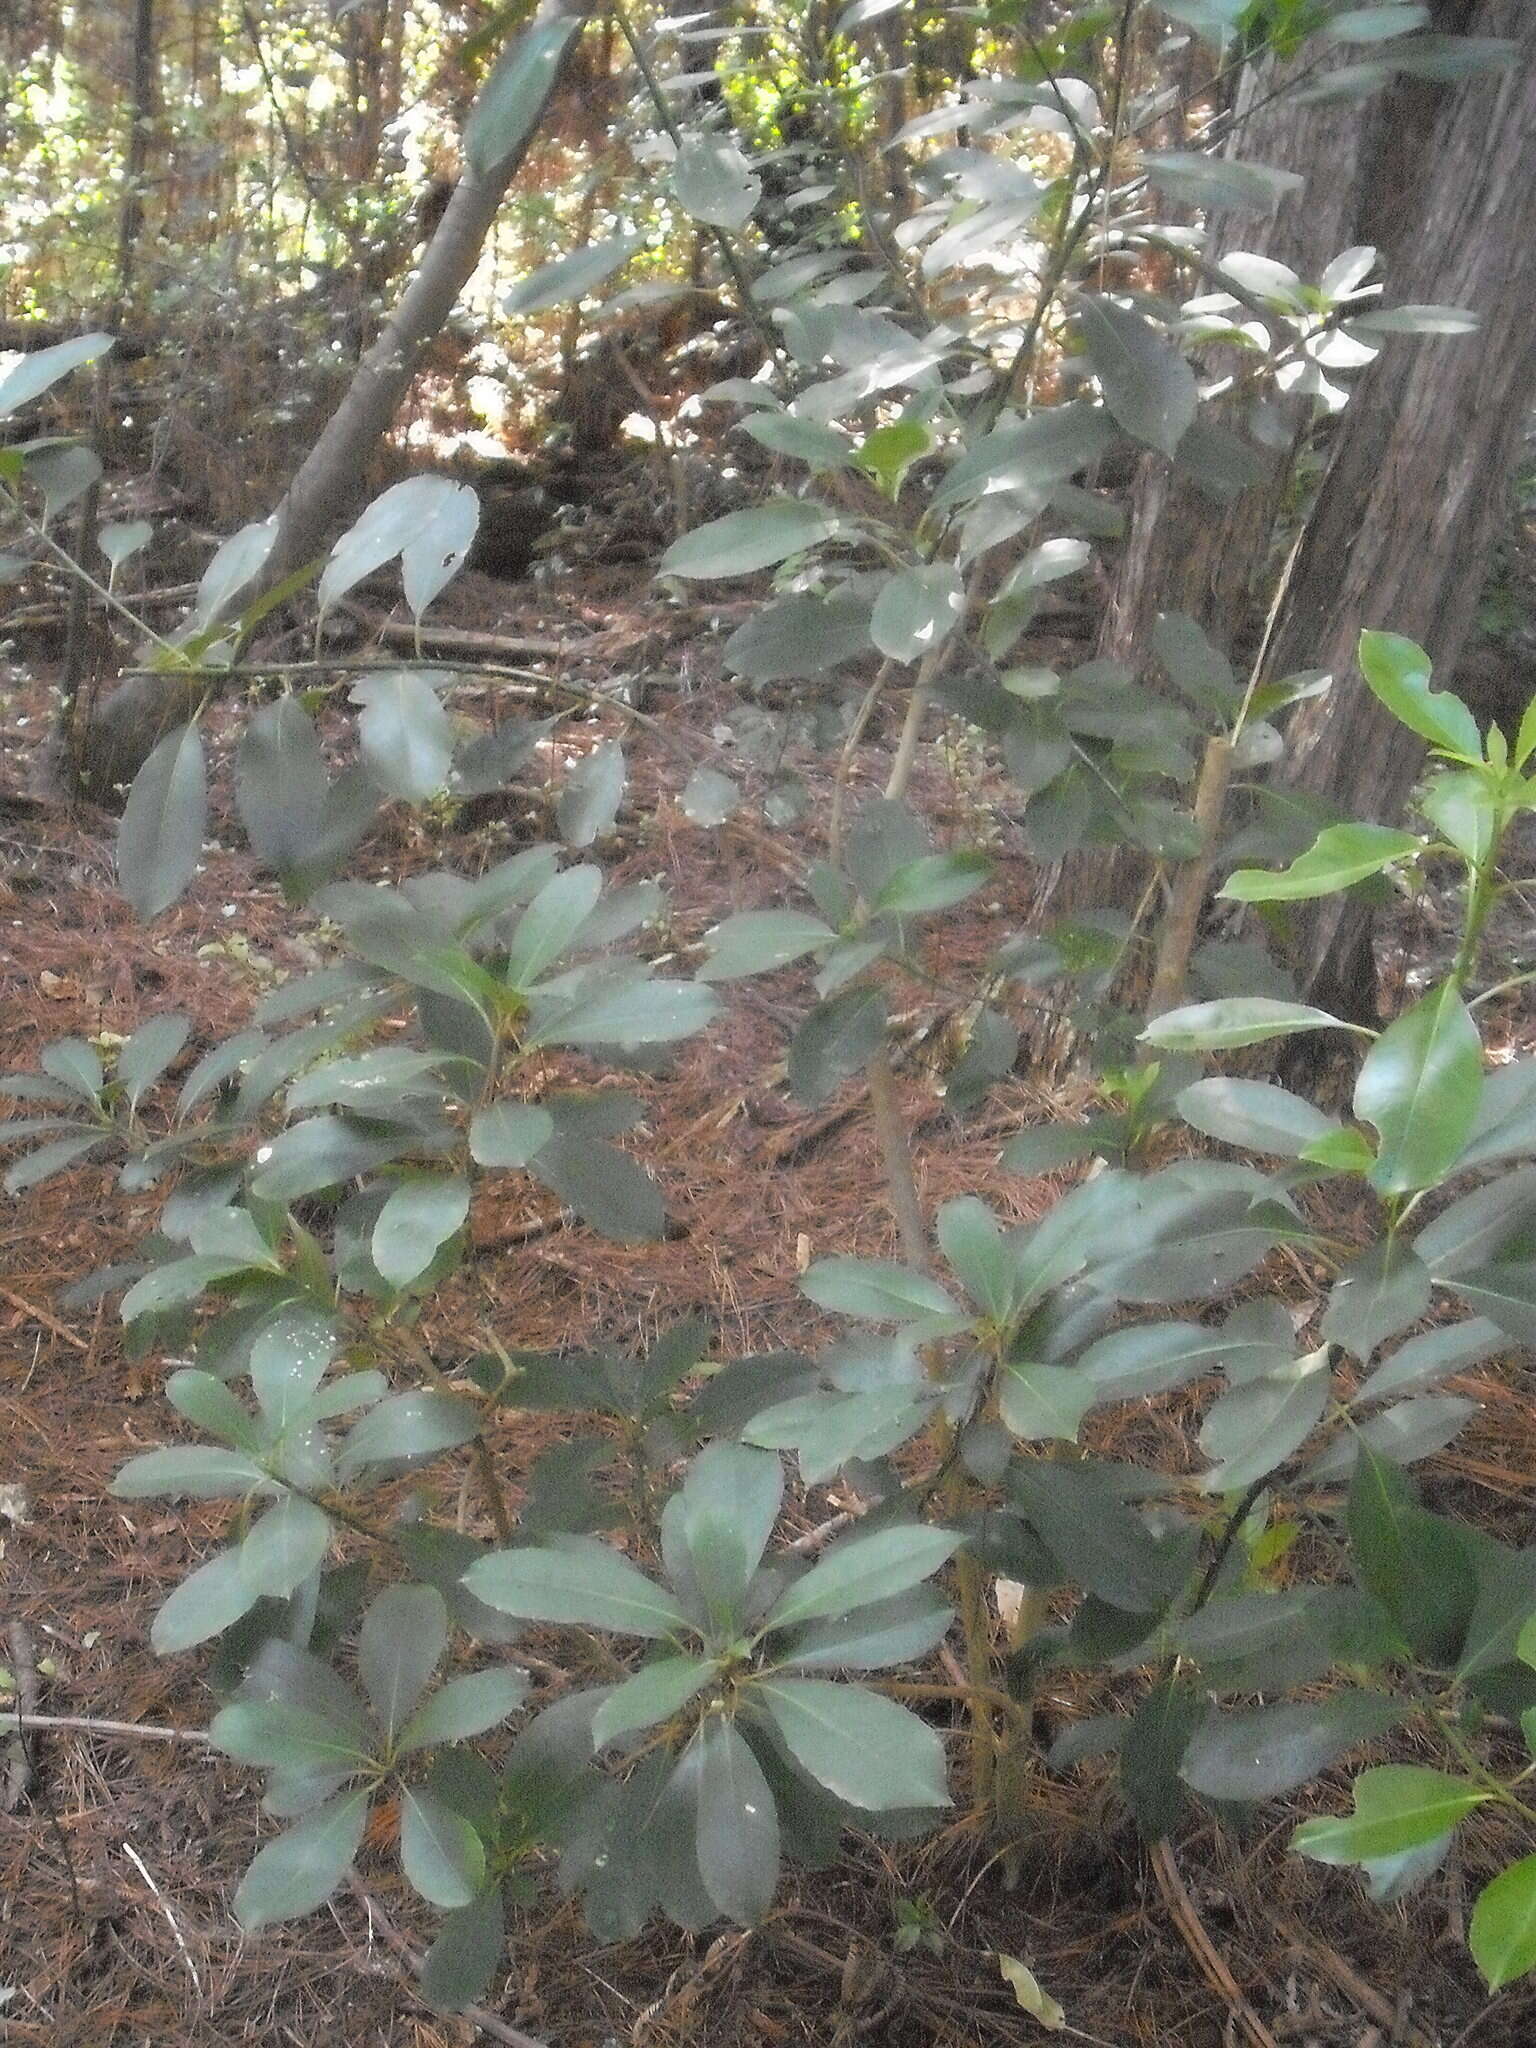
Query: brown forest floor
{"points": [[117, 1863]]}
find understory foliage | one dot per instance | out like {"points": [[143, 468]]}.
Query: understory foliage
{"points": [[733, 1701]]}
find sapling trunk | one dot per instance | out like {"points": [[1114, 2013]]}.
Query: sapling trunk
{"points": [[1187, 899]]}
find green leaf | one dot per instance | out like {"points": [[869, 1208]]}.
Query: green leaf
{"points": [[405, 733], [1264, 1751], [827, 1431], [1340, 856], [583, 1581], [972, 1241], [1419, 1085], [147, 1054], [1044, 1402], [1234, 1021], [709, 798], [714, 182], [590, 796], [465, 1706], [1254, 1114], [164, 824], [287, 1544], [190, 1472], [74, 1064], [401, 1644], [513, 98], [1104, 1544], [281, 783], [935, 882], [236, 562], [1256, 1427], [301, 1869], [728, 1506], [1502, 1933], [1397, 1806], [1424, 1361], [407, 1428], [890, 451], [206, 1603], [1506, 1599], [760, 941], [1218, 184], [1151, 1749], [1147, 384], [509, 1133], [857, 1572], [461, 1963], [1397, 673], [655, 1693], [743, 542], [916, 611], [1375, 1296], [570, 278], [867, 1751], [121, 539], [440, 1853], [40, 369], [899, 1630], [611, 1192], [805, 441], [1416, 1565], [416, 1221], [737, 1826], [878, 1290], [798, 634]]}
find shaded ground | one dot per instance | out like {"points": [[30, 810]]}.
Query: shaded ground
{"points": [[118, 1862]]}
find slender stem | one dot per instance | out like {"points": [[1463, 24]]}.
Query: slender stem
{"points": [[85, 1724], [896, 1157], [1187, 898]]}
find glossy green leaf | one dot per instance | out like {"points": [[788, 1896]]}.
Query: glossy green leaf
{"points": [[301, 1869], [207, 1602], [442, 1856], [590, 796], [513, 98], [1397, 673], [729, 1503], [1397, 1807], [1416, 1565], [1147, 384], [743, 542], [461, 1963], [916, 611], [509, 1133], [611, 1192], [737, 1837], [760, 941], [1254, 1114], [714, 182], [570, 278], [935, 882], [40, 369], [1340, 856], [419, 1217], [866, 1750], [655, 1693], [404, 1634], [164, 823], [465, 1706], [1419, 1086], [1264, 1751], [284, 1546], [1042, 1403], [1235, 1021], [864, 1569], [406, 735], [583, 1581], [877, 1289]]}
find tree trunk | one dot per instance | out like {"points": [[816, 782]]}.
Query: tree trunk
{"points": [[330, 480], [1404, 525]]}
